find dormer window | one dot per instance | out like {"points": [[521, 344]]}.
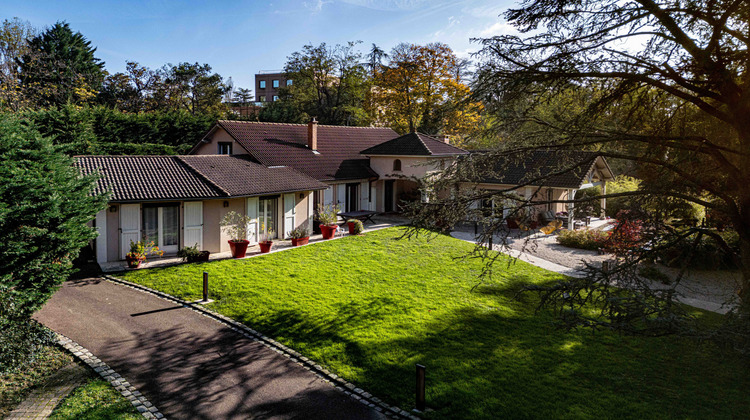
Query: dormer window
{"points": [[225, 148], [397, 165]]}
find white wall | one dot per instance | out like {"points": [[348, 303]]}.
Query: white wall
{"points": [[212, 147], [410, 166]]}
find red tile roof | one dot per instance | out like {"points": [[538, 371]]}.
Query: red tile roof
{"points": [[338, 155]]}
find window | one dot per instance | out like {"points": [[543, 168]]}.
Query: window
{"points": [[289, 82], [262, 98], [397, 165], [225, 148], [275, 98], [275, 83], [262, 84]]}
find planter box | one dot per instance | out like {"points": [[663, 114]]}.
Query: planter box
{"points": [[328, 231], [300, 241], [265, 247], [239, 249]]}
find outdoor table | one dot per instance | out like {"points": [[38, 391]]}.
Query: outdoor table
{"points": [[363, 215]]}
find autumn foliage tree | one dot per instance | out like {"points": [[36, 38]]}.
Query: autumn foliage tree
{"points": [[421, 89]]}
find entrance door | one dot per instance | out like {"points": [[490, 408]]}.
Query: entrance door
{"points": [[352, 198], [388, 200], [161, 224], [267, 216]]}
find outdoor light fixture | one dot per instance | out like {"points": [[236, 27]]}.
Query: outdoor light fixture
{"points": [[301, 195], [226, 204], [113, 209]]}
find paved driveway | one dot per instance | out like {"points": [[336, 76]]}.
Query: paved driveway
{"points": [[186, 364]]}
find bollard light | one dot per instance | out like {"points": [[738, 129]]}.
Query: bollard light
{"points": [[205, 286], [420, 388]]}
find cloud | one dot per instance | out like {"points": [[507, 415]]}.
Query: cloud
{"points": [[498, 28], [316, 6]]}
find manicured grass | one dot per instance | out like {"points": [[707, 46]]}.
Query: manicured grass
{"points": [[15, 386], [94, 400], [370, 307]]}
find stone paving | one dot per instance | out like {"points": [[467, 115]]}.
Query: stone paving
{"points": [[40, 403]]}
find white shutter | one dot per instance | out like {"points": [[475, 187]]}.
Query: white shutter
{"points": [[364, 194], [193, 224], [373, 199], [252, 226], [130, 226], [289, 212], [310, 209], [328, 196], [101, 240], [341, 196]]}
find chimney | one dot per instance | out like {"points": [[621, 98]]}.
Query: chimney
{"points": [[312, 134], [445, 138]]}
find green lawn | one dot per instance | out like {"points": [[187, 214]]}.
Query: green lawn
{"points": [[94, 400], [370, 307]]}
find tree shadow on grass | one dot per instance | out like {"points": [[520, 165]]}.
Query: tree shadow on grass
{"points": [[489, 363]]}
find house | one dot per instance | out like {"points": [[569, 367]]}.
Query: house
{"points": [[549, 176], [179, 201], [362, 166]]}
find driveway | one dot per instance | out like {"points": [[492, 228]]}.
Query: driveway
{"points": [[188, 365]]}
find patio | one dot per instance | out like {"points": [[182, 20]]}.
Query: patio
{"points": [[380, 222]]}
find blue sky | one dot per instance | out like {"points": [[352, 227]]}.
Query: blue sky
{"points": [[239, 38]]}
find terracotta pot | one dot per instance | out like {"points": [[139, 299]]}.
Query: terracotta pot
{"points": [[203, 256], [239, 248], [351, 227], [133, 262], [300, 241], [265, 247], [512, 224], [328, 231]]}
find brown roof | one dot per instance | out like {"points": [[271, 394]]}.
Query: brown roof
{"points": [[549, 168], [163, 178], [338, 157], [238, 176], [414, 144]]}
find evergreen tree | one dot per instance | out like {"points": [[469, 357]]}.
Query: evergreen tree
{"points": [[45, 206], [60, 67]]}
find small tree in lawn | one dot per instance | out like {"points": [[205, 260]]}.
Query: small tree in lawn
{"points": [[45, 206]]}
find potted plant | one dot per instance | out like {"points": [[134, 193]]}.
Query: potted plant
{"points": [[300, 235], [139, 251], [328, 216], [191, 254], [355, 226], [265, 242], [235, 225]]}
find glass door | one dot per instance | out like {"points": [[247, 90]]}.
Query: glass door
{"points": [[267, 217], [161, 224]]}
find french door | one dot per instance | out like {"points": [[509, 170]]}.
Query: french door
{"points": [[161, 224], [267, 208]]}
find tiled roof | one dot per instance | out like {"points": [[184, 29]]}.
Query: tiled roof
{"points": [[338, 157], [238, 176], [160, 178], [141, 178], [542, 164], [414, 144]]}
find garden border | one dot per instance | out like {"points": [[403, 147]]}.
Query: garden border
{"points": [[141, 403], [334, 380]]}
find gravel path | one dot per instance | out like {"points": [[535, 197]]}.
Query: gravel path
{"points": [[705, 289]]}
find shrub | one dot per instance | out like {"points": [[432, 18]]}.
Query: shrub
{"points": [[328, 214], [622, 183], [299, 232], [590, 239], [189, 253], [706, 254], [357, 226], [650, 272]]}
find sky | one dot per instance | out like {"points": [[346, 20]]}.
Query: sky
{"points": [[241, 38]]}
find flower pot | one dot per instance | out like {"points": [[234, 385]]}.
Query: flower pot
{"points": [[328, 231], [265, 247], [300, 241], [203, 256], [239, 248], [512, 224], [351, 227], [133, 262]]}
